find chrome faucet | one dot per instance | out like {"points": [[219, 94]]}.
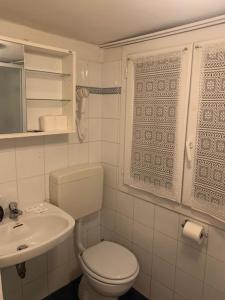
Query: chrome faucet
{"points": [[14, 212]]}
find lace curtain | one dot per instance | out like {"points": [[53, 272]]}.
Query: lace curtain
{"points": [[208, 186], [154, 156]]}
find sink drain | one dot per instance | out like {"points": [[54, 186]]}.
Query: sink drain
{"points": [[22, 247]]}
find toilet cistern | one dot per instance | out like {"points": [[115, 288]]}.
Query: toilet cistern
{"points": [[109, 269]]}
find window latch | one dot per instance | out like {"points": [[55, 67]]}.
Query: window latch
{"points": [[189, 147]]}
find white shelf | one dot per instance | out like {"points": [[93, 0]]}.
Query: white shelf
{"points": [[48, 99], [33, 133], [50, 73], [48, 88]]}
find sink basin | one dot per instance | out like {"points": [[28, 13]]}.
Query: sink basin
{"points": [[39, 229]]}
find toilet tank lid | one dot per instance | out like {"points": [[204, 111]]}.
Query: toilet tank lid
{"points": [[74, 173]]}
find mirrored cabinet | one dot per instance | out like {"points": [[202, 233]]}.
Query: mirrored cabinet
{"points": [[37, 90]]}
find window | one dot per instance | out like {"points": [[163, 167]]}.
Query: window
{"points": [[156, 117], [204, 176]]}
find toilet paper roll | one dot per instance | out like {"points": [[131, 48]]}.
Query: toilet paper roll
{"points": [[47, 123], [194, 232]]}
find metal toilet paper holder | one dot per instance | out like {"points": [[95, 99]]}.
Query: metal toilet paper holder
{"points": [[204, 234]]}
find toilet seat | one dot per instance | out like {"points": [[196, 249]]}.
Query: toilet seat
{"points": [[110, 263]]}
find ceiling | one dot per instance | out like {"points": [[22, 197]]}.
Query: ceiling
{"points": [[101, 21]]}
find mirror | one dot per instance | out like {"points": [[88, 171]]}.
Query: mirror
{"points": [[12, 103]]}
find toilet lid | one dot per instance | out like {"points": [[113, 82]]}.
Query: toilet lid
{"points": [[110, 260]]}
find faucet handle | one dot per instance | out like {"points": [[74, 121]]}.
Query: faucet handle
{"points": [[13, 206]]}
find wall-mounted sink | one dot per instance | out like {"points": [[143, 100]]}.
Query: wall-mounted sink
{"points": [[38, 230]]}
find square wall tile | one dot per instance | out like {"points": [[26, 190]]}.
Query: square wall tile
{"points": [[94, 130], [163, 272], [216, 242], [111, 106], [78, 154], [123, 226], [105, 233], [31, 190], [27, 157], [143, 236], [47, 196], [160, 292], [94, 74], [144, 258], [166, 222], [91, 220], [111, 74], [110, 175], [121, 240], [108, 219], [56, 157], [109, 198], [82, 72], [165, 247], [28, 142], [8, 192], [191, 260], [215, 273], [110, 153], [125, 204], [95, 106], [211, 293], [142, 284], [110, 130], [7, 166], [144, 212], [7, 145], [188, 286], [93, 236], [95, 152]]}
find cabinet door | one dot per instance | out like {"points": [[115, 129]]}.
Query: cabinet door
{"points": [[204, 175], [156, 115]]}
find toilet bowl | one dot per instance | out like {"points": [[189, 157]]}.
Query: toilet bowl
{"points": [[109, 271]]}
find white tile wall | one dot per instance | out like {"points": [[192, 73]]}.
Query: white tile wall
{"points": [[25, 165], [171, 267]]}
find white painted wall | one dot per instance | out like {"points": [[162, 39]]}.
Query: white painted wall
{"points": [[172, 268]]}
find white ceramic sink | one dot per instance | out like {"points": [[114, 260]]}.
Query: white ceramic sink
{"points": [[39, 229]]}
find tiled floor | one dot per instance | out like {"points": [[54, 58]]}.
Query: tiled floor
{"points": [[70, 292]]}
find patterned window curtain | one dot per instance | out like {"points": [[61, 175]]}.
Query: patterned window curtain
{"points": [[208, 180], [154, 148]]}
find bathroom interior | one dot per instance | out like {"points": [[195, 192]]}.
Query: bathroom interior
{"points": [[112, 150]]}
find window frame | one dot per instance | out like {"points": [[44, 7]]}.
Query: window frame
{"points": [[128, 114]]}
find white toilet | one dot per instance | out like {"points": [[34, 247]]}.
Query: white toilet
{"points": [[109, 269]]}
